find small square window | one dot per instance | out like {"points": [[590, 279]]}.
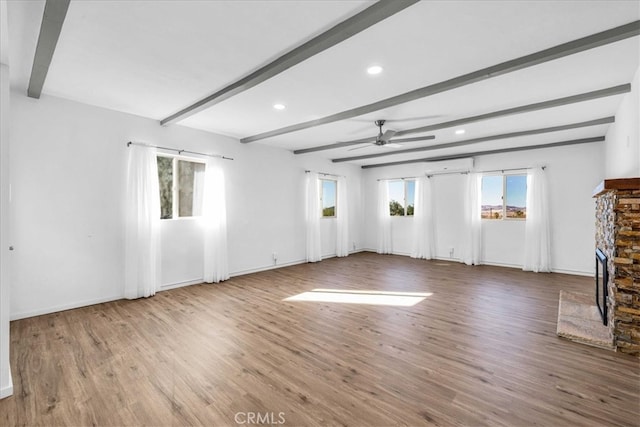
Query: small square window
{"points": [[504, 196], [181, 184], [401, 197]]}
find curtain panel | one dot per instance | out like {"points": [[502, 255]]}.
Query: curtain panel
{"points": [[423, 224], [342, 219], [384, 218], [312, 215], [537, 248], [142, 224], [472, 243], [214, 220]]}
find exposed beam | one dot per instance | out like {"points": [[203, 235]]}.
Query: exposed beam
{"points": [[602, 121], [481, 153], [558, 102], [595, 40], [52, 19], [335, 35]]}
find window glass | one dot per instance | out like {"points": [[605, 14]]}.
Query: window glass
{"points": [[516, 196], [492, 197], [396, 198], [190, 183], [328, 198], [165, 180], [410, 195], [181, 184]]}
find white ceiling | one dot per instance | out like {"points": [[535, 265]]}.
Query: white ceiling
{"points": [[153, 58]]}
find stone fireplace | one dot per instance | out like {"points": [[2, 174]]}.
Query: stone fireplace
{"points": [[618, 238]]}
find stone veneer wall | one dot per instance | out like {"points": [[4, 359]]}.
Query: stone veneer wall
{"points": [[618, 236], [627, 272], [606, 242]]}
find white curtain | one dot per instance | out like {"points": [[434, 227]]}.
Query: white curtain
{"points": [[142, 233], [472, 232], [198, 190], [342, 220], [537, 250], [214, 220], [423, 229], [384, 218], [313, 212]]}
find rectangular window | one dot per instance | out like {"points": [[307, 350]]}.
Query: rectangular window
{"points": [[504, 196], [181, 184], [328, 197], [401, 197]]}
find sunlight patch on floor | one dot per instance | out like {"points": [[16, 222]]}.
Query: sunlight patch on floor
{"points": [[402, 299]]}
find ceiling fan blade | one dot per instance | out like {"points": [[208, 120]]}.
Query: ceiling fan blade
{"points": [[357, 148], [391, 145], [387, 135], [414, 139], [358, 141]]}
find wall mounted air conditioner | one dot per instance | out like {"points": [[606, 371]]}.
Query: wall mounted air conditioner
{"points": [[450, 166]]}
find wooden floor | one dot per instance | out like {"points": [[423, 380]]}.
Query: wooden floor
{"points": [[482, 350]]}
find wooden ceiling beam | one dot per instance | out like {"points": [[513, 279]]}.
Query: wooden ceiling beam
{"points": [[486, 152], [596, 122], [53, 17], [612, 35], [335, 35]]}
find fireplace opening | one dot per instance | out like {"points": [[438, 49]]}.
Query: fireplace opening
{"points": [[602, 280]]}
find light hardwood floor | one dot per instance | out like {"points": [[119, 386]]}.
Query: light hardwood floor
{"points": [[481, 350]]}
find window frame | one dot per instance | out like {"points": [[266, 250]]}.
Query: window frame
{"points": [[335, 206], [504, 176], [405, 186], [175, 190]]}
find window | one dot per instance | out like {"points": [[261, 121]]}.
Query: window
{"points": [[401, 197], [504, 196], [328, 197], [181, 183]]}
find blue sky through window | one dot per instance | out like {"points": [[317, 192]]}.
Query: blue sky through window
{"points": [[396, 191], [411, 191], [328, 194], [516, 190], [492, 190]]}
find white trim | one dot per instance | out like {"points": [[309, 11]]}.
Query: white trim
{"points": [[64, 307], [182, 284], [8, 390], [266, 268], [573, 272]]}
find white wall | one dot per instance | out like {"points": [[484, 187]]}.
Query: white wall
{"points": [[68, 166], [622, 155], [573, 172], [6, 386]]}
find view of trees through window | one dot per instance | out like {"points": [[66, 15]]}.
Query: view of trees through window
{"points": [[184, 197], [504, 196], [401, 197], [329, 189]]}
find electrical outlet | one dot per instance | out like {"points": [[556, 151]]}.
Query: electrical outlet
{"points": [[451, 252], [275, 257], [354, 246]]}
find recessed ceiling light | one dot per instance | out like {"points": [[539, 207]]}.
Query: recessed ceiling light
{"points": [[374, 69], [279, 106], [460, 132]]}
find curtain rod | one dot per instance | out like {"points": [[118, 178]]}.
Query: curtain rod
{"points": [[180, 151], [325, 174], [429, 175]]}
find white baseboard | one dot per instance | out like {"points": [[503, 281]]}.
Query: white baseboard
{"points": [[7, 390], [63, 307], [168, 286]]}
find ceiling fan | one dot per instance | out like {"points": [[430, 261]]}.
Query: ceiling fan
{"points": [[383, 139]]}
